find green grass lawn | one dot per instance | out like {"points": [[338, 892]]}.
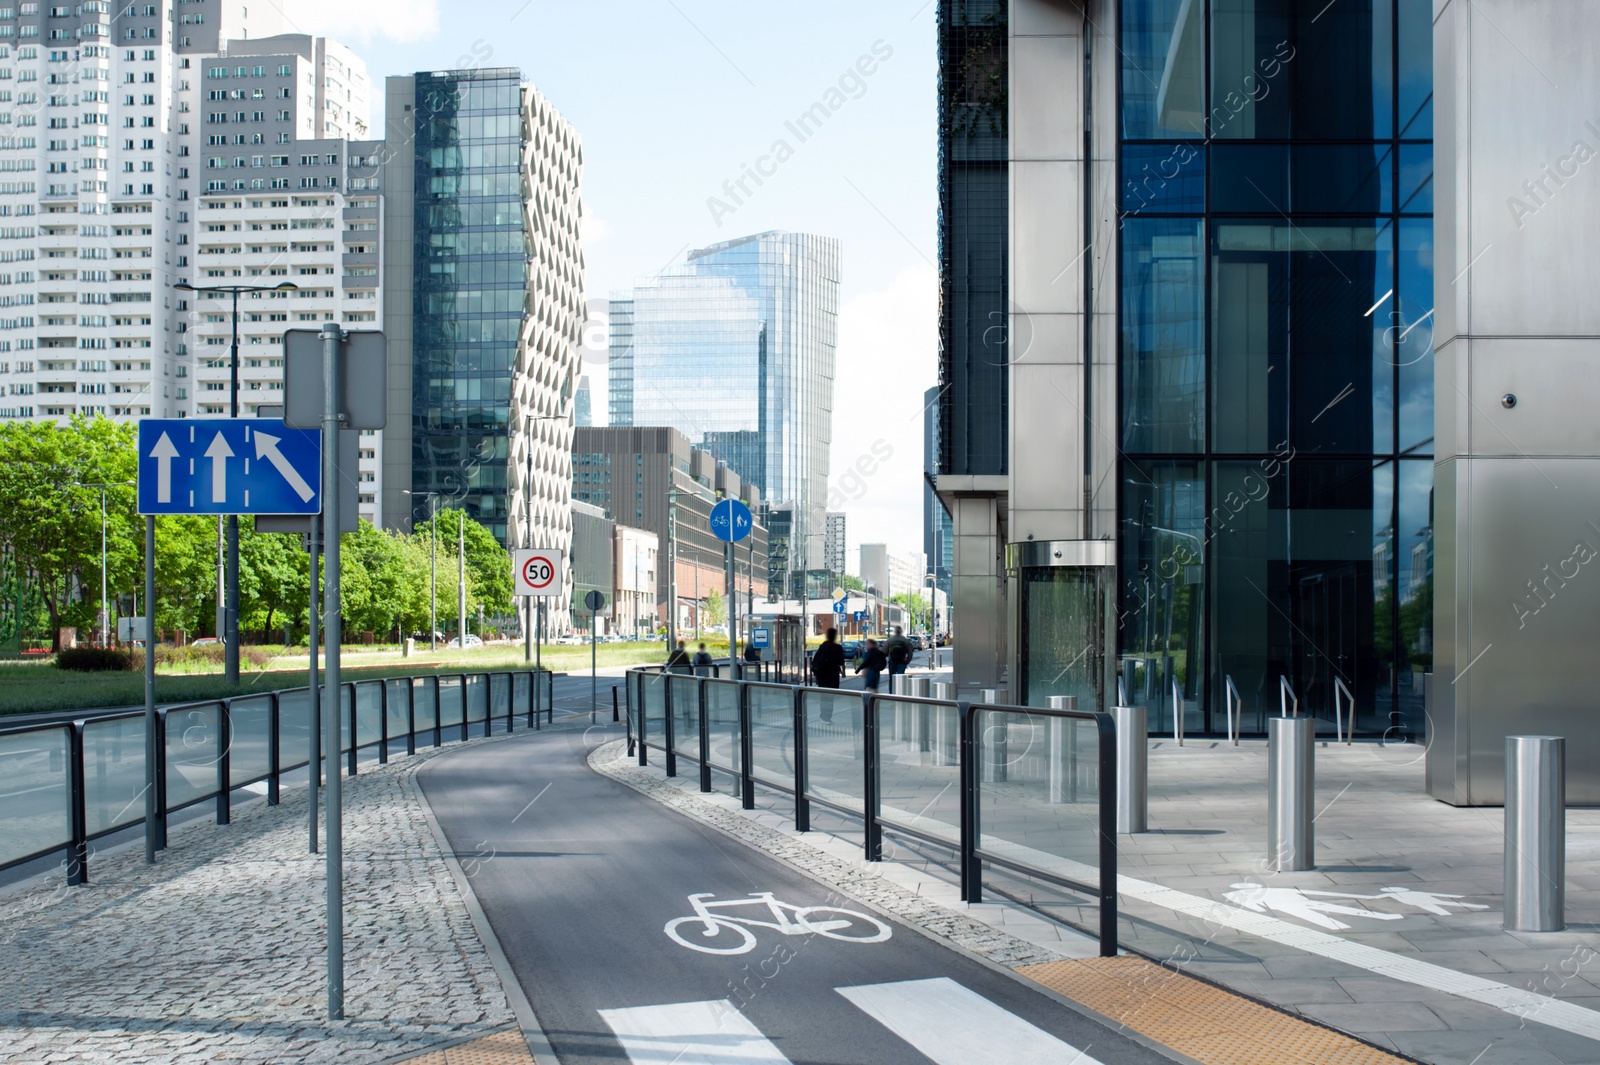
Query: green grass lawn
{"points": [[29, 687]]}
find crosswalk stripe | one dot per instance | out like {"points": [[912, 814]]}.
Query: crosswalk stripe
{"points": [[691, 1033], [951, 1025]]}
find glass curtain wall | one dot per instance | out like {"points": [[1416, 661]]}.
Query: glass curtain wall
{"points": [[1276, 369], [471, 288]]}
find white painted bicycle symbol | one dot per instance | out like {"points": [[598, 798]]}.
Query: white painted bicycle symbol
{"points": [[710, 938]]}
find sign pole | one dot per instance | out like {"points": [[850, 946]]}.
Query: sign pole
{"points": [[733, 616], [332, 627], [594, 661], [151, 754], [314, 707]]}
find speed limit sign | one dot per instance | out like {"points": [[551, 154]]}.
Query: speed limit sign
{"points": [[537, 572]]}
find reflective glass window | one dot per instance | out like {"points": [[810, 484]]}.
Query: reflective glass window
{"points": [[1164, 179], [1163, 69], [1163, 335]]}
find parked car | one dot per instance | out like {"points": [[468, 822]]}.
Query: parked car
{"points": [[852, 648], [472, 641], [205, 641]]}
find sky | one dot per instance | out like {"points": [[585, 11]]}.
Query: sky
{"points": [[673, 98]]}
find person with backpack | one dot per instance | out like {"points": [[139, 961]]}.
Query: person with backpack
{"points": [[678, 661], [898, 650], [873, 663], [827, 664]]}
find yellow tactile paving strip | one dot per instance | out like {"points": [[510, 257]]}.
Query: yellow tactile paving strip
{"points": [[1210, 1025], [501, 1048]]}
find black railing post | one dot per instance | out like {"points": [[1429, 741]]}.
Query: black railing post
{"points": [[464, 704], [705, 735], [615, 714], [871, 802], [224, 761], [77, 814], [355, 738], [511, 702], [1107, 734], [488, 704], [971, 868], [383, 722], [274, 752], [671, 734], [411, 715], [161, 779], [802, 805], [439, 712], [747, 747], [550, 690]]}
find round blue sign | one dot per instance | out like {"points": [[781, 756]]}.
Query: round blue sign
{"points": [[731, 521]]}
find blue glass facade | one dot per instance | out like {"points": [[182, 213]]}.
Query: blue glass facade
{"points": [[471, 274], [1276, 370], [734, 347]]}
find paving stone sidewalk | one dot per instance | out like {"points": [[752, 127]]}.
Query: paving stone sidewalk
{"points": [[216, 954]]}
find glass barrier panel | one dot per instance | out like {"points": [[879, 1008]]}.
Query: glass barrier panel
{"points": [[250, 736], [34, 794], [452, 701], [685, 697], [919, 768], [113, 772], [1038, 793], [477, 697], [772, 734], [369, 712], [427, 696], [193, 747], [653, 689], [836, 761], [499, 696], [347, 695], [522, 693], [722, 717], [294, 728], [398, 702]]}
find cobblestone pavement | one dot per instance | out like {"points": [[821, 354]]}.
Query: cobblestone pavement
{"points": [[216, 954]]}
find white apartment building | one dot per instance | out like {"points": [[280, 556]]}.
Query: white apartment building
{"points": [[889, 572], [147, 144]]}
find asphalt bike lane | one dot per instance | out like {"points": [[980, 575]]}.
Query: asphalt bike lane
{"points": [[640, 935]]}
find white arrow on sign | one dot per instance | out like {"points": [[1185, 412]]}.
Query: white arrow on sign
{"points": [[164, 452], [267, 448], [219, 453]]}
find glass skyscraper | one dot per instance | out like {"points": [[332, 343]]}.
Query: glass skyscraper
{"points": [[735, 348]]}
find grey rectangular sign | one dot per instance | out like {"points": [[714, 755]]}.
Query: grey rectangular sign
{"points": [[364, 379]]}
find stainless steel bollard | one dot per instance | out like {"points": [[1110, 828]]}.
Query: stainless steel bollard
{"points": [[919, 714], [1061, 745], [1291, 787], [944, 725], [993, 748], [1536, 833], [1133, 767]]}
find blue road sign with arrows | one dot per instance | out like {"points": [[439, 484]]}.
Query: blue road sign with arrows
{"points": [[228, 466], [731, 521]]}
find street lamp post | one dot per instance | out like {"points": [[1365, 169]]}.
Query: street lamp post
{"points": [[231, 617], [105, 612], [433, 568]]}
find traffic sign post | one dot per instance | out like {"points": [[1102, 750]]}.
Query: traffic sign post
{"points": [[731, 522], [537, 574], [595, 600]]}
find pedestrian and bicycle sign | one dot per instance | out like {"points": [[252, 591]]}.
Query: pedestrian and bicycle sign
{"points": [[228, 466], [537, 572], [731, 521]]}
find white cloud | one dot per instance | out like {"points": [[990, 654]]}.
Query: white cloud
{"points": [[364, 20], [888, 356]]}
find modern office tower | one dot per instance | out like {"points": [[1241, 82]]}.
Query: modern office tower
{"points": [[619, 362], [583, 404], [654, 479], [833, 551], [1219, 401], [593, 564], [890, 573], [938, 543], [735, 348], [974, 332], [484, 307]]}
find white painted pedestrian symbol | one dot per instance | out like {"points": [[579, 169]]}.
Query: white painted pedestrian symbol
{"points": [[1429, 901], [832, 922], [1309, 906]]}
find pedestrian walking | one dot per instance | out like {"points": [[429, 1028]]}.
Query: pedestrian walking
{"points": [[678, 661], [898, 650], [873, 663], [827, 664]]}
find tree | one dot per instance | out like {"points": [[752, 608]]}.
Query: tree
{"points": [[915, 606], [50, 520], [715, 608], [488, 564], [279, 584], [852, 583]]}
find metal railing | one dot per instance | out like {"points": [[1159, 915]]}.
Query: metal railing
{"points": [[1343, 734], [1235, 710], [982, 779], [1287, 699], [64, 785]]}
